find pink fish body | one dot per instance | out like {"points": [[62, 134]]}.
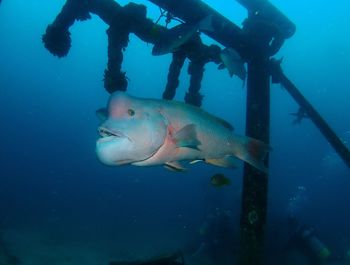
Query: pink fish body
{"points": [[147, 132]]}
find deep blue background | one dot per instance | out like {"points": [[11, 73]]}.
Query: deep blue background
{"points": [[51, 180]]}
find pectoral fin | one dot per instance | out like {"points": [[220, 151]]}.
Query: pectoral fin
{"points": [[227, 161], [174, 166], [187, 137]]}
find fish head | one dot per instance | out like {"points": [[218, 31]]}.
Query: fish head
{"points": [[131, 130]]}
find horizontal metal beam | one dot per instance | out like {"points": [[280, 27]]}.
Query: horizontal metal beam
{"points": [[275, 26], [225, 31]]}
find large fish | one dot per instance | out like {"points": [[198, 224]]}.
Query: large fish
{"points": [[146, 132]]}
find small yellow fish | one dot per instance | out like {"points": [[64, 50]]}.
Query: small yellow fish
{"points": [[219, 180]]}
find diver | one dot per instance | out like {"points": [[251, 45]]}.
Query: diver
{"points": [[306, 241], [215, 242], [304, 245]]}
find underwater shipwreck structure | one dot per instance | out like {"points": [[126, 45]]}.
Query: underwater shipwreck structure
{"points": [[257, 41]]}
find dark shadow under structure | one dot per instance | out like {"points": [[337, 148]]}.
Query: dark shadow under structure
{"points": [[263, 33]]}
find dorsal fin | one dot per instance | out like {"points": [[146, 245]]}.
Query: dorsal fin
{"points": [[223, 122], [226, 124]]}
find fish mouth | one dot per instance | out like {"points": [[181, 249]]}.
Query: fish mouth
{"points": [[108, 135]]}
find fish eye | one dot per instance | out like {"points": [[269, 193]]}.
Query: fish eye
{"points": [[131, 112]]}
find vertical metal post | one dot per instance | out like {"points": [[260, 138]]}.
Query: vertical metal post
{"points": [[255, 183]]}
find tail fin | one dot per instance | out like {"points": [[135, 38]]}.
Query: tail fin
{"points": [[251, 150]]}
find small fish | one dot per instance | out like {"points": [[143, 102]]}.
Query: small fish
{"points": [[170, 40], [219, 180], [299, 116], [233, 62]]}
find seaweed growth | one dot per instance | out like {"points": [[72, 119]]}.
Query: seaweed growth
{"points": [[132, 18]]}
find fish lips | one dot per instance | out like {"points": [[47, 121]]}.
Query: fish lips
{"points": [[106, 146], [108, 153], [109, 135]]}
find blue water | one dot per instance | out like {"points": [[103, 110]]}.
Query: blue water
{"points": [[60, 205]]}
